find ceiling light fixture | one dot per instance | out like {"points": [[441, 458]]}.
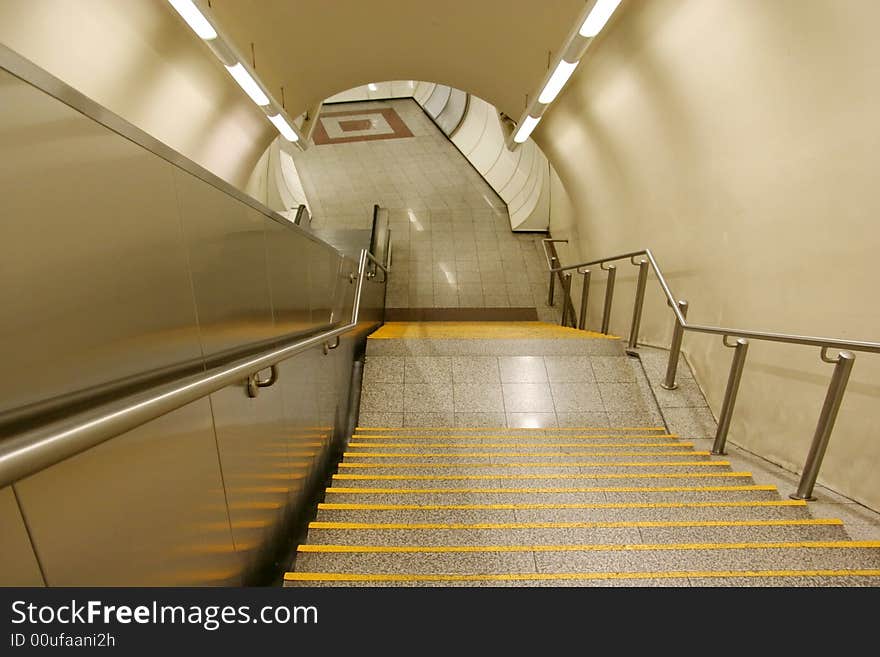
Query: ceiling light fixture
{"points": [[194, 18], [205, 26], [592, 19], [284, 127], [246, 82], [599, 15], [554, 85], [525, 129]]}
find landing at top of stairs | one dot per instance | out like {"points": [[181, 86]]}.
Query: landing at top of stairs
{"points": [[482, 330], [488, 339]]}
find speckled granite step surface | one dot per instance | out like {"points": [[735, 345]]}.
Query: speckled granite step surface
{"points": [[562, 518], [525, 454]]}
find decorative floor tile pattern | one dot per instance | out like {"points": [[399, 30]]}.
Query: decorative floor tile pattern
{"points": [[359, 125], [452, 243]]}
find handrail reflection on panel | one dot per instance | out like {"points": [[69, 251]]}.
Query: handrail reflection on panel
{"points": [[31, 451]]}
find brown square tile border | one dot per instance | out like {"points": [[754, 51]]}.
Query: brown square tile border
{"points": [[398, 127]]}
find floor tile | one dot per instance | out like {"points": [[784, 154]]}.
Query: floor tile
{"points": [[576, 397], [427, 397], [522, 369], [620, 397], [532, 420], [478, 398], [475, 369], [527, 397], [569, 369], [382, 397], [428, 369], [613, 369], [383, 369]]}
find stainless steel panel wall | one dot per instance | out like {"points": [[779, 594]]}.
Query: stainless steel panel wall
{"points": [[227, 253], [288, 279], [18, 565], [324, 277], [146, 508], [95, 282], [256, 469], [118, 264]]}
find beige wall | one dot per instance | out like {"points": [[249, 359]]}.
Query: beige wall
{"points": [[140, 60], [739, 139]]}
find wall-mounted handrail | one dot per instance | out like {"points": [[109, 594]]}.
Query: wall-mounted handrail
{"points": [[843, 361], [809, 340], [31, 451]]}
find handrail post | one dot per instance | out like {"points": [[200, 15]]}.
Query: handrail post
{"points": [[609, 296], [674, 349], [637, 307], [566, 296], [736, 369], [833, 399], [553, 263], [585, 297]]}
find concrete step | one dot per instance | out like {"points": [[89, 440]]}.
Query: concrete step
{"points": [[522, 465], [547, 477], [589, 558], [719, 490], [537, 512], [654, 433], [793, 578], [472, 442], [499, 347], [583, 458], [357, 456], [613, 449], [566, 533]]}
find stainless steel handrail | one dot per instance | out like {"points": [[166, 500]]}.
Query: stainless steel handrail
{"points": [[34, 450], [843, 361], [809, 340]]}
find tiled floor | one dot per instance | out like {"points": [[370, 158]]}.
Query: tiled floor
{"points": [[513, 391], [452, 243]]}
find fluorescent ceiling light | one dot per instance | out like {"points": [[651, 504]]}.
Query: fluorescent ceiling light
{"points": [[599, 15], [526, 129], [194, 18], [554, 85], [284, 127], [246, 82], [372, 86]]}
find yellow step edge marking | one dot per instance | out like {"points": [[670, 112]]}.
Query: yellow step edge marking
{"points": [[490, 434], [350, 506], [544, 577], [395, 445], [480, 330], [441, 428], [573, 525], [590, 547], [665, 452], [589, 489], [623, 464], [519, 445], [613, 475], [429, 466]]}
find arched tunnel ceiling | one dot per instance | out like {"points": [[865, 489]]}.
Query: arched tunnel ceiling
{"points": [[496, 49]]}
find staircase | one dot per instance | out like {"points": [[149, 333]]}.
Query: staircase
{"points": [[501, 490]]}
